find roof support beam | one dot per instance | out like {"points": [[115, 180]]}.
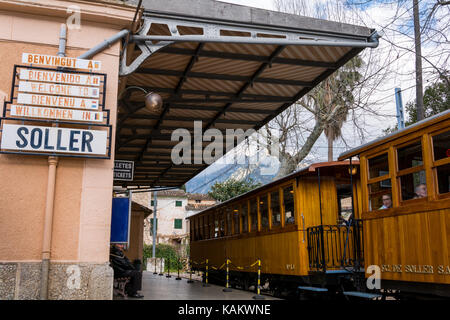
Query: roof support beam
{"points": [[249, 83], [227, 77], [249, 57], [167, 106], [211, 93]]}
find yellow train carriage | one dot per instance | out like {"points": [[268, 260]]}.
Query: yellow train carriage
{"points": [[275, 224], [405, 181]]}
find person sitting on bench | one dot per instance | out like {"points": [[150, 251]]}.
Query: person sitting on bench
{"points": [[124, 268]]}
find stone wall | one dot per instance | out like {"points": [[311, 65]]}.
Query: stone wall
{"points": [[67, 281]]}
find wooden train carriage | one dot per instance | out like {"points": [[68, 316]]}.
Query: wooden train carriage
{"points": [[274, 223], [406, 206]]}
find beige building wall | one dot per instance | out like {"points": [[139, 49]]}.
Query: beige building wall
{"points": [[82, 208], [167, 212]]}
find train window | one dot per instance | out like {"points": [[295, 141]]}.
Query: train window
{"points": [[275, 207], [413, 186], [410, 156], [216, 225], [244, 217], [195, 228], [206, 226], [344, 196], [200, 228], [222, 224], [441, 146], [288, 205], [211, 225], [443, 177], [380, 195], [264, 211], [236, 220], [254, 214], [229, 221], [378, 166]]}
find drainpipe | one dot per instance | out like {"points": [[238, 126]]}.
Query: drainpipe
{"points": [[50, 198], [105, 44]]}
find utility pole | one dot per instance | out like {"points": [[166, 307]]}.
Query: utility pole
{"points": [[418, 50], [154, 223]]}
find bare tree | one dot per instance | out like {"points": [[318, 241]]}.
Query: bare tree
{"points": [[325, 109]]}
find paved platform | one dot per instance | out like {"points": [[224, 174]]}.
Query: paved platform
{"points": [[155, 287]]}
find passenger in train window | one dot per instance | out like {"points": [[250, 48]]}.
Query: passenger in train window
{"points": [[421, 191], [387, 202]]}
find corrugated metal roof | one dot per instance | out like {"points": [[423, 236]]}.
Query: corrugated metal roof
{"points": [[225, 85]]}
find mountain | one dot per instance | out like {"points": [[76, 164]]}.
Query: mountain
{"points": [[262, 171]]}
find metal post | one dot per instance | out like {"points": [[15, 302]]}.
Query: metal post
{"points": [[154, 260], [190, 273], [206, 274], [321, 224], [168, 269], [399, 104], [227, 288], [258, 286], [155, 194], [160, 268], [178, 269]]}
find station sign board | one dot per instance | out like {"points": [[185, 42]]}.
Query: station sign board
{"points": [[58, 89], [52, 139], [123, 170], [61, 62], [59, 77], [57, 101], [57, 111]]}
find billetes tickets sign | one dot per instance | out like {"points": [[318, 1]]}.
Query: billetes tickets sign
{"points": [[54, 140], [64, 62], [123, 170]]}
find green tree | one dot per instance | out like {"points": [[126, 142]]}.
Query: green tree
{"points": [[223, 191], [163, 251]]}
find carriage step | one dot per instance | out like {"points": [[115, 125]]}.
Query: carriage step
{"points": [[364, 295], [314, 289]]}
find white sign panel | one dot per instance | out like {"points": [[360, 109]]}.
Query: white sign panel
{"points": [[59, 77], [59, 89], [54, 140], [54, 113], [57, 101], [65, 62]]}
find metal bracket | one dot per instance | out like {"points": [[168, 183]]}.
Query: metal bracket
{"points": [[147, 49], [227, 32]]}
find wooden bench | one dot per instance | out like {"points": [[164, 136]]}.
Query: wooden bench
{"points": [[119, 286]]}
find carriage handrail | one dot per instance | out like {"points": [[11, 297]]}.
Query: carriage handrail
{"points": [[335, 246]]}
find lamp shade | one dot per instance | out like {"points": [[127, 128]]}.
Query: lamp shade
{"points": [[153, 101]]}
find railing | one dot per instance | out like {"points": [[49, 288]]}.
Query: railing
{"points": [[336, 247]]}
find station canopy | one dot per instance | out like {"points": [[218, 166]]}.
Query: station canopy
{"points": [[228, 66]]}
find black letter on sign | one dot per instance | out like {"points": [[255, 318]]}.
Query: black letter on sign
{"points": [[86, 141], [34, 132], [19, 133], [46, 146], [73, 140]]}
